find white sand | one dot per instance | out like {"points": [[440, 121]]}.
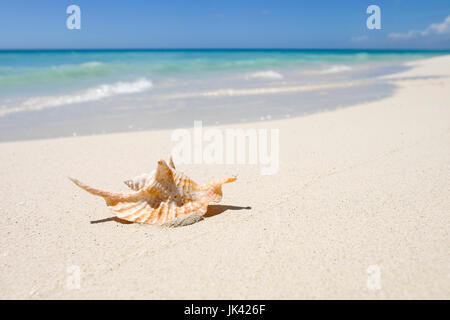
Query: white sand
{"points": [[362, 186]]}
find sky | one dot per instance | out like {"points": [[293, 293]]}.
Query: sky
{"points": [[414, 24]]}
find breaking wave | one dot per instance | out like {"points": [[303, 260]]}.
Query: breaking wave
{"points": [[336, 69], [270, 75], [92, 94]]}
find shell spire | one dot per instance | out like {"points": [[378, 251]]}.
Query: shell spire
{"points": [[215, 187], [107, 195], [165, 196]]}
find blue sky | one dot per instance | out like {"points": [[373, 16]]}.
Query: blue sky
{"points": [[224, 24]]}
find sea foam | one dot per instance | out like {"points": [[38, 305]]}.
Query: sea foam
{"points": [[336, 69], [270, 75], [92, 94]]}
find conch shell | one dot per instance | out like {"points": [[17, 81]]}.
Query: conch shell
{"points": [[164, 196]]}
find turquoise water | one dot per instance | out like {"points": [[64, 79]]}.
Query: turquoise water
{"points": [[22, 69], [45, 93]]}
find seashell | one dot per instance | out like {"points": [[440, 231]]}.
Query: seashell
{"points": [[164, 196], [145, 179]]}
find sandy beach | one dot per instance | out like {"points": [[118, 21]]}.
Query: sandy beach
{"points": [[359, 190]]}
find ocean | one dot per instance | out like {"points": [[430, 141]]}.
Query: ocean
{"points": [[54, 93]]}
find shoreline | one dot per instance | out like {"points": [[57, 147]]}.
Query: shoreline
{"points": [[358, 187], [237, 98]]}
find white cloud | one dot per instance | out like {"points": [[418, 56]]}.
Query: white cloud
{"points": [[360, 38], [410, 34], [440, 28], [433, 29]]}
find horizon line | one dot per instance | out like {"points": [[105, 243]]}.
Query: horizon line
{"points": [[217, 48]]}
